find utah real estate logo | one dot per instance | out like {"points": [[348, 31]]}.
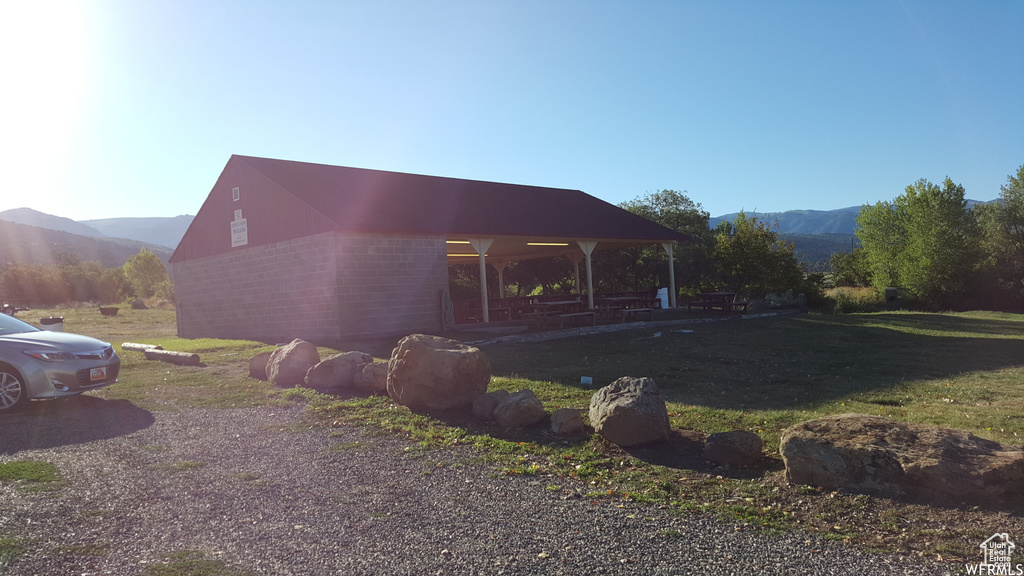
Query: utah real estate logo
{"points": [[997, 554]]}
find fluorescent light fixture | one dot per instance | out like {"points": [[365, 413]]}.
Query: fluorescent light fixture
{"points": [[456, 241], [465, 255], [547, 243]]}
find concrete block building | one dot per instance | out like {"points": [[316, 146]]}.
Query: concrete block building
{"points": [[284, 249]]}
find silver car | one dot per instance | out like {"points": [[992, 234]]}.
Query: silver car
{"points": [[36, 363]]}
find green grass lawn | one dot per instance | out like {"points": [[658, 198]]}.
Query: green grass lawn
{"points": [[957, 370], [764, 374]]}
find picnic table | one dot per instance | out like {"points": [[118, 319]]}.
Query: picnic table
{"points": [[724, 301], [10, 309], [560, 310], [621, 301], [471, 312], [627, 306], [499, 312]]}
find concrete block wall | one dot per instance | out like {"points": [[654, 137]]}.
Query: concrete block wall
{"points": [[390, 285], [320, 288]]}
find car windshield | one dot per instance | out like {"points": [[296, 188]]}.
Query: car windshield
{"points": [[11, 325]]}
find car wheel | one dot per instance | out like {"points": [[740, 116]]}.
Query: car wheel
{"points": [[12, 391]]}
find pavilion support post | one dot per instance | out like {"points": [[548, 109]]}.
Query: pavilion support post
{"points": [[500, 267], [481, 245], [588, 248], [576, 266], [671, 275]]}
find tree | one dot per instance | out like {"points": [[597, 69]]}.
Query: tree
{"points": [[82, 280], [144, 272], [752, 260], [882, 233], [851, 268], [35, 285], [113, 286], [926, 241], [643, 267], [1012, 212], [1002, 223], [553, 275]]}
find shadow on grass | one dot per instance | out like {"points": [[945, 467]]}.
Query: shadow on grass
{"points": [[775, 363], [682, 450], [70, 420]]}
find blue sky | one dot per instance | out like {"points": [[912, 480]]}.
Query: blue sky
{"points": [[118, 108]]}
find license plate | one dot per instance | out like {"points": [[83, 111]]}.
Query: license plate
{"points": [[98, 374]]}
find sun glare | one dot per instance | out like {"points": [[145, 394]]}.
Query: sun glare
{"points": [[44, 58]]}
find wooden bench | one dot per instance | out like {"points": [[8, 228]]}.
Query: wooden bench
{"points": [[726, 302], [723, 306], [605, 313], [500, 312], [563, 317], [741, 306], [699, 304], [635, 313], [709, 306], [530, 317]]}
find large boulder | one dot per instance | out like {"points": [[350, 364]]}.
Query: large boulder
{"points": [[288, 364], [258, 366], [372, 379], [630, 411], [519, 410], [337, 372], [430, 372], [892, 458], [733, 448], [567, 422], [484, 404]]}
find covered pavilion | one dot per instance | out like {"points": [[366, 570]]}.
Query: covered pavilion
{"points": [[369, 248]]}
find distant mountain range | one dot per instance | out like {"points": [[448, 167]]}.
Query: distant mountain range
{"points": [[24, 244], [31, 237], [839, 221], [166, 232], [161, 231]]}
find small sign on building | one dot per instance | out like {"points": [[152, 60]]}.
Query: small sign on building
{"points": [[239, 230]]}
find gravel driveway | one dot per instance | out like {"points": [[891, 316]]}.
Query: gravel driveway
{"points": [[264, 493]]}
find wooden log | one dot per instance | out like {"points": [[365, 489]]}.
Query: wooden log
{"points": [[180, 358], [136, 347]]}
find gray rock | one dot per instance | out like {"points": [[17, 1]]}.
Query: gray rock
{"points": [[258, 366], [288, 364], [520, 410], [372, 379], [567, 422], [484, 404], [337, 372], [893, 458], [430, 372], [733, 448], [630, 411]]}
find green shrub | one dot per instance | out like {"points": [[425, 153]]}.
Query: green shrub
{"points": [[848, 300]]}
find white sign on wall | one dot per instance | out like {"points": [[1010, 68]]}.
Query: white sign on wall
{"points": [[239, 231]]}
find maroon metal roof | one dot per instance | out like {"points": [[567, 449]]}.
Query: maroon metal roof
{"points": [[363, 200], [374, 201]]}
